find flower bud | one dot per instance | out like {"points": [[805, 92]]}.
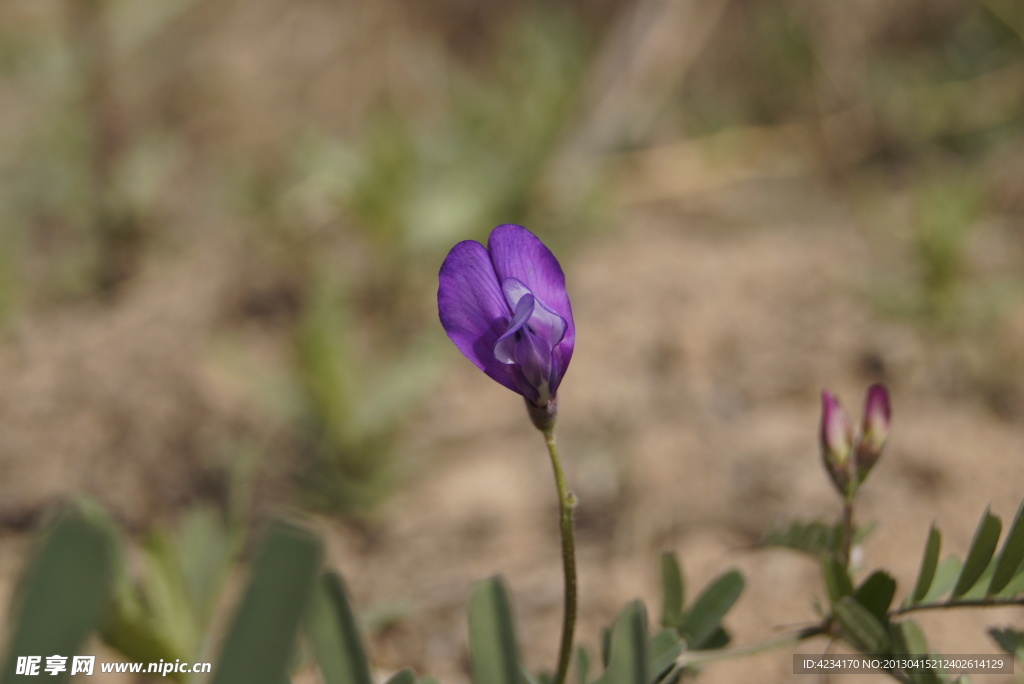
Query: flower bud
{"points": [[837, 439], [874, 429]]}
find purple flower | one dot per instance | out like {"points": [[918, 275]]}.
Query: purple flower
{"points": [[506, 309]]}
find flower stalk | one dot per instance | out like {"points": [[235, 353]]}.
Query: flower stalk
{"points": [[566, 507], [505, 307]]}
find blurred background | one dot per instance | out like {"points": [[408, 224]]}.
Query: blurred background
{"points": [[221, 224]]}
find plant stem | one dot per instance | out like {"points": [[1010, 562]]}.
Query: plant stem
{"points": [[959, 603], [566, 505], [701, 657], [847, 530]]}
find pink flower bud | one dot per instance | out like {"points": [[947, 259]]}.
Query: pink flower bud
{"points": [[874, 429], [837, 439]]}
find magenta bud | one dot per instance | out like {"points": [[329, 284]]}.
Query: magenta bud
{"points": [[837, 439], [874, 430]]}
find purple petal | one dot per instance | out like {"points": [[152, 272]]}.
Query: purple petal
{"points": [[877, 415], [836, 429], [505, 347], [518, 253], [543, 321], [473, 309]]}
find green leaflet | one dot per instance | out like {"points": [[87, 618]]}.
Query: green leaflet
{"points": [[62, 594], [335, 634], [628, 661], [1011, 555], [876, 594], [493, 651], [672, 592], [986, 536], [861, 627], [945, 578], [929, 562], [260, 641], [406, 676], [1010, 640], [837, 579], [705, 615]]}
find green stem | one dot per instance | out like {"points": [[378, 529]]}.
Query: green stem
{"points": [[959, 603], [566, 504], [690, 658], [847, 530]]}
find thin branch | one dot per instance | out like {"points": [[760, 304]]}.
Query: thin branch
{"points": [[689, 658], [968, 603]]}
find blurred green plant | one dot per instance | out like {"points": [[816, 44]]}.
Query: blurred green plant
{"points": [[354, 409], [946, 212], [166, 614], [420, 185]]}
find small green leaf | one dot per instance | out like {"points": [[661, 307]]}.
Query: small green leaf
{"points": [[406, 676], [945, 577], [929, 562], [493, 651], [710, 607], [582, 665], [205, 547], [1010, 640], [863, 629], [62, 593], [335, 634], [876, 593], [837, 579], [720, 638], [260, 641], [165, 593], [629, 660], [982, 547], [672, 591], [815, 538], [908, 638], [1011, 556], [979, 588], [665, 647], [1015, 586]]}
